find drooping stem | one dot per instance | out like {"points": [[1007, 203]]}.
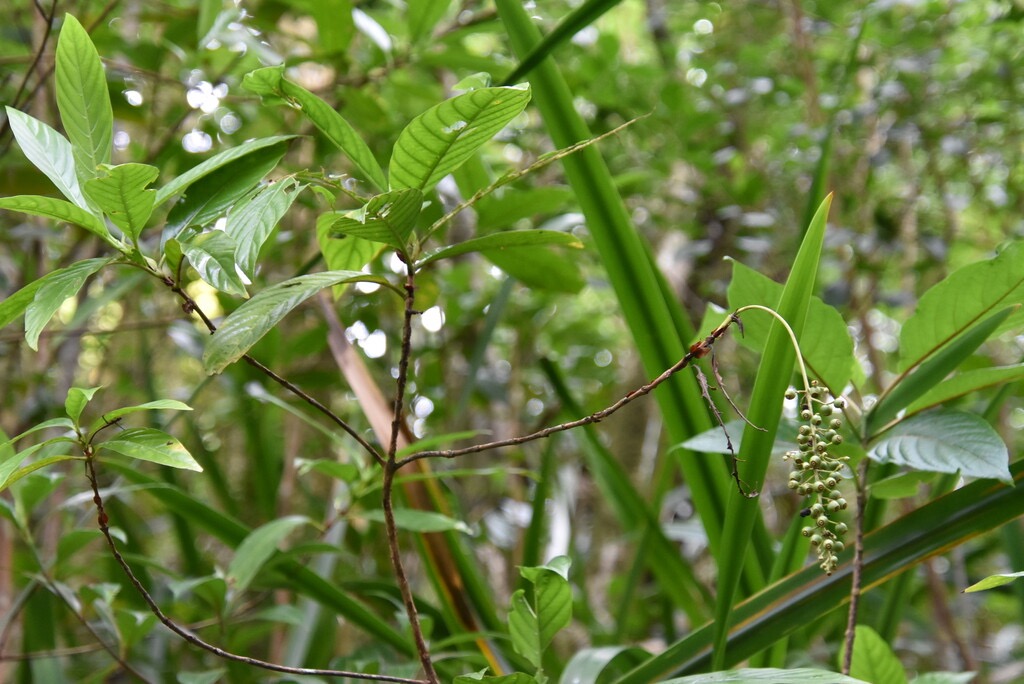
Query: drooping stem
{"points": [[792, 338]]}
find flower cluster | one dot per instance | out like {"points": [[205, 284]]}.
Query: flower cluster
{"points": [[818, 473]]}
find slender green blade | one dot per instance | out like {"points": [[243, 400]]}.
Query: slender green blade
{"points": [[54, 288], [155, 446], [773, 378], [83, 99], [388, 218], [250, 223], [499, 241]]}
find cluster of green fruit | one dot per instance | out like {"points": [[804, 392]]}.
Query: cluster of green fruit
{"points": [[816, 472]]}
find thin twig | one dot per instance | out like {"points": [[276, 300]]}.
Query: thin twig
{"points": [[705, 390], [697, 350], [387, 484], [190, 306], [858, 565], [103, 520]]}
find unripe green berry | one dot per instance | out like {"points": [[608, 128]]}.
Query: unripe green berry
{"points": [[804, 430], [791, 394], [805, 414], [819, 486], [821, 447], [816, 539], [837, 439], [793, 484], [835, 424], [816, 419], [835, 495], [841, 528], [828, 544], [839, 403], [825, 410], [821, 521], [831, 482], [842, 503], [838, 546], [807, 531], [814, 461], [833, 506], [804, 489], [817, 509]]}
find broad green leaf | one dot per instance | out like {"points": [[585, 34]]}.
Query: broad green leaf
{"points": [[532, 625], [967, 296], [212, 254], [920, 379], [524, 628], [83, 98], [993, 581], [769, 675], [714, 441], [900, 486], [964, 383], [945, 441], [19, 473], [271, 81], [345, 253], [538, 267], [50, 152], [513, 239], [415, 520], [824, 340], [215, 162], [873, 659], [257, 548], [442, 138], [15, 305], [148, 444], [122, 195], [76, 401], [157, 405], [498, 212], [389, 218], [250, 223], [220, 188], [10, 461], [54, 288], [251, 321], [52, 207]]}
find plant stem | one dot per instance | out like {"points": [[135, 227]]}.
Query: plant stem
{"points": [[856, 579], [391, 466]]}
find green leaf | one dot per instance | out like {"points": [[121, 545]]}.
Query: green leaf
{"points": [[212, 254], [50, 152], [220, 188], [54, 288], [513, 239], [601, 663], [65, 423], [157, 405], [873, 660], [218, 161], [500, 212], [51, 207], [389, 218], [257, 548], [442, 138], [514, 678], [251, 321], [83, 98], [156, 446], [250, 223], [76, 401], [122, 195], [945, 678], [945, 441], [532, 625], [964, 383], [538, 267], [204, 677], [8, 479], [901, 486], [824, 340], [422, 16], [769, 675], [967, 296], [345, 253], [271, 81], [920, 379], [15, 305], [415, 520], [993, 581]]}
